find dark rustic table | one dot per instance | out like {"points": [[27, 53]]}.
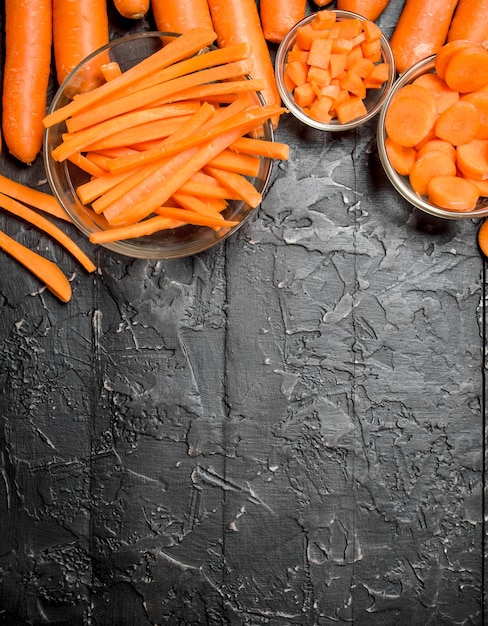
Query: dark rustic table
{"points": [[288, 429]]}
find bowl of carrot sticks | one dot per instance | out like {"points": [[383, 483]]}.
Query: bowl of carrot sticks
{"points": [[159, 145], [334, 70], [432, 133]]}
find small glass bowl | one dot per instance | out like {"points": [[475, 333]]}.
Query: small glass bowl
{"points": [[374, 99], [64, 177], [400, 182]]}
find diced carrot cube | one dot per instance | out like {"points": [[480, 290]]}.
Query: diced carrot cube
{"points": [[362, 67], [337, 64], [324, 20], [349, 28], [372, 50], [304, 95], [354, 55], [297, 72], [318, 75], [297, 55], [319, 54], [354, 84], [372, 31], [331, 91], [320, 110], [350, 110], [378, 75], [289, 84], [341, 45], [304, 37]]}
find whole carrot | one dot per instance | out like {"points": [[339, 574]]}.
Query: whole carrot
{"points": [[278, 17], [421, 30], [370, 9], [470, 21], [179, 16], [132, 9], [237, 21], [79, 28], [28, 38]]}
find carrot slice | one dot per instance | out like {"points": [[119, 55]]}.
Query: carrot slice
{"points": [[467, 69], [33, 197], [438, 145], [480, 101], [443, 95], [445, 54], [472, 159], [427, 167], [458, 124], [402, 158], [409, 120], [453, 193]]}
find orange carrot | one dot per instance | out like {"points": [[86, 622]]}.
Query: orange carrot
{"points": [[429, 165], [110, 70], [28, 36], [47, 271], [236, 21], [472, 159], [20, 210], [453, 193], [467, 69], [402, 158], [180, 17], [470, 21], [443, 95], [33, 197], [370, 9], [245, 164], [79, 28], [179, 48], [444, 54], [480, 100], [261, 147], [278, 17], [458, 124], [409, 120], [236, 183], [438, 145], [132, 9], [420, 31], [483, 238]]}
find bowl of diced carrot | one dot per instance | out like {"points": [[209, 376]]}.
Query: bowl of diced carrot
{"points": [[334, 70], [432, 132], [160, 145]]}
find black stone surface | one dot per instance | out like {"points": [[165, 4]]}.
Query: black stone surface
{"points": [[286, 430]]}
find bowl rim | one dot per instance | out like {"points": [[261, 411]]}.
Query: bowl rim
{"points": [[130, 247], [334, 126], [399, 182]]}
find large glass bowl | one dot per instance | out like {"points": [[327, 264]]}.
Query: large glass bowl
{"points": [[374, 99], [65, 177], [401, 183]]}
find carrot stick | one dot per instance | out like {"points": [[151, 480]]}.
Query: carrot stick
{"points": [[238, 184], [236, 21], [453, 193], [245, 164], [47, 271], [18, 209], [110, 70], [86, 165], [278, 17], [79, 28], [179, 17], [205, 190], [151, 95], [192, 203], [33, 197], [205, 92], [132, 9], [28, 37], [470, 21], [370, 9], [262, 147], [420, 31], [458, 124], [178, 49]]}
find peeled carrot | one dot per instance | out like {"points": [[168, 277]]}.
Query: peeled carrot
{"points": [[453, 193], [47, 271], [470, 21], [28, 37], [172, 16], [237, 21], [79, 28], [458, 124], [132, 9], [33, 197], [370, 9], [278, 17], [48, 227], [421, 30]]}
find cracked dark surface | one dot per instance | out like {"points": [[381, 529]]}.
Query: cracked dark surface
{"points": [[287, 429]]}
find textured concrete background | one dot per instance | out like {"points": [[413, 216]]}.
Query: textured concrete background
{"points": [[285, 430]]}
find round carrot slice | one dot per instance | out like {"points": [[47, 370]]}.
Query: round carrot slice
{"points": [[458, 124], [444, 55], [434, 163], [467, 69], [472, 159], [453, 193], [409, 120]]}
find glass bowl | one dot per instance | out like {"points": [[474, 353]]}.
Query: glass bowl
{"points": [[401, 183], [374, 98], [64, 177]]}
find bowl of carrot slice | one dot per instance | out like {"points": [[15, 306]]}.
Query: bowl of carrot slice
{"points": [[159, 145], [432, 133], [334, 70]]}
